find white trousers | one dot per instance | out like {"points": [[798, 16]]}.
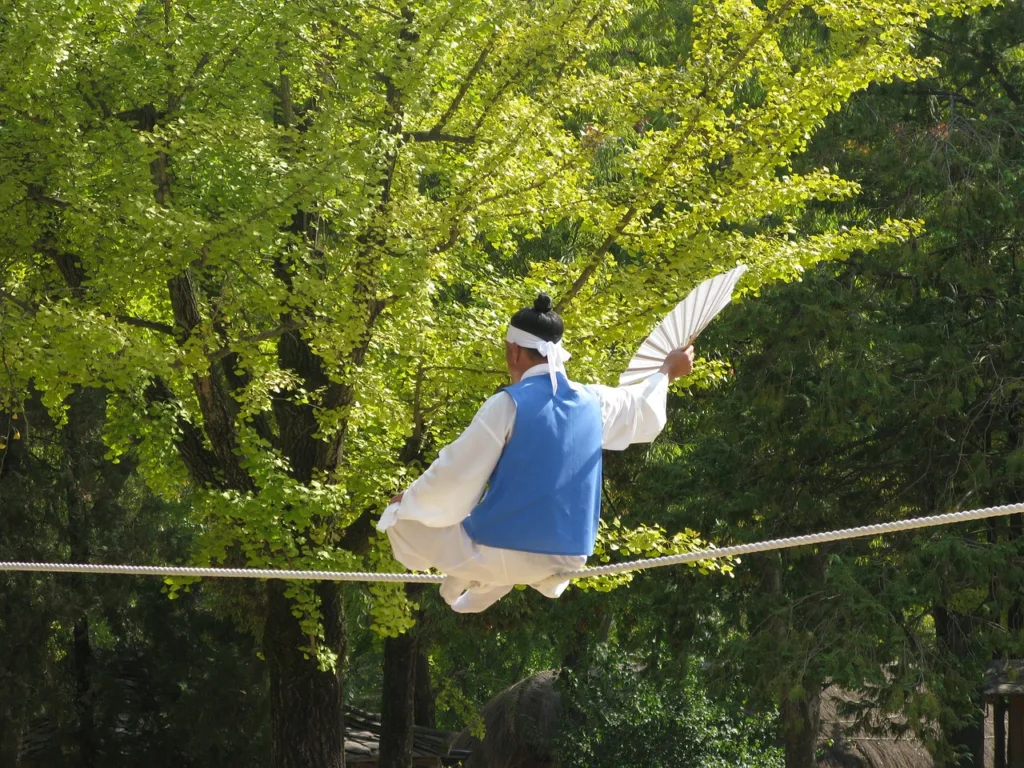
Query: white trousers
{"points": [[477, 576]]}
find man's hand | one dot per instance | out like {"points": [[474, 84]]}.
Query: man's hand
{"points": [[390, 515], [678, 363]]}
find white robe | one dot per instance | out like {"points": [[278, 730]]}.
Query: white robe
{"points": [[426, 528]]}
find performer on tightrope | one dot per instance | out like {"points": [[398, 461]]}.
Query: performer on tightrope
{"points": [[535, 447]]}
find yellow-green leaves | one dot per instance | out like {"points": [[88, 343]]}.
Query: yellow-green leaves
{"points": [[358, 195], [617, 542]]}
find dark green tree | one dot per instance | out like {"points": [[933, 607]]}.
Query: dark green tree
{"points": [[885, 387], [102, 671]]}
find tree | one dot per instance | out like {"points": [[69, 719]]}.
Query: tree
{"points": [[618, 712], [881, 388], [959, 316], [284, 236], [105, 671]]}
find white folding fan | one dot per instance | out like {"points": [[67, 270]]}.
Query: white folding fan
{"points": [[682, 325]]}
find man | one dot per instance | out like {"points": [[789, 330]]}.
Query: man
{"points": [[536, 448]]}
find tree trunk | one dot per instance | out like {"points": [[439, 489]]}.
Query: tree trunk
{"points": [[1015, 750], [80, 490], [306, 709], [424, 710], [800, 721], [398, 701], [953, 631], [86, 732], [1015, 614], [800, 704], [999, 732]]}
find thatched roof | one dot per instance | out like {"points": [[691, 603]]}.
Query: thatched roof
{"points": [[845, 744], [429, 747], [521, 726], [40, 746]]}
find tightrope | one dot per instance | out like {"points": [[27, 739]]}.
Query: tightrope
{"points": [[713, 553]]}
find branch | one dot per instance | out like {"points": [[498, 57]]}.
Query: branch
{"points": [[529, 187], [599, 255], [519, 72], [894, 275], [487, 371], [633, 209], [193, 80], [449, 243], [384, 11], [986, 56], [412, 450], [273, 333], [464, 88], [199, 460], [942, 93], [69, 264], [36, 193], [22, 113], [12, 298], [70, 267], [391, 90], [143, 118], [230, 56], [139, 322], [435, 135], [348, 30], [215, 404]]}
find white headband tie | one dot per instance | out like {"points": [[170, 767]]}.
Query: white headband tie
{"points": [[552, 350]]}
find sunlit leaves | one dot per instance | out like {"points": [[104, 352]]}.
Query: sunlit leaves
{"points": [[318, 167]]}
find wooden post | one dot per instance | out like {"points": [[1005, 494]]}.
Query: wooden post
{"points": [[999, 731], [1016, 732]]}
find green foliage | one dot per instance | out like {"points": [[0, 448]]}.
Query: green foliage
{"points": [[105, 669], [287, 235], [391, 610], [621, 715], [284, 238], [451, 698], [881, 388], [640, 542]]}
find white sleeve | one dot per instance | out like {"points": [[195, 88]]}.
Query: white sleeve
{"points": [[447, 492], [633, 414]]}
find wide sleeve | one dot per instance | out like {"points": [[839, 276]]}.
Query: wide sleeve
{"points": [[633, 414], [452, 486]]}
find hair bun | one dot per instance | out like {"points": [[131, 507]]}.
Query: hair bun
{"points": [[543, 303]]}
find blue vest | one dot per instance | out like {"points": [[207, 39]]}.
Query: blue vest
{"points": [[544, 495]]}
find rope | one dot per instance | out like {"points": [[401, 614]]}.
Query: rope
{"points": [[603, 570], [801, 541], [223, 573]]}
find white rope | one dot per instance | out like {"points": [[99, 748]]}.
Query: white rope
{"points": [[603, 570], [801, 541], [223, 573]]}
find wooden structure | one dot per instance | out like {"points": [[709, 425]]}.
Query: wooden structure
{"points": [[845, 742], [1004, 708], [430, 748]]}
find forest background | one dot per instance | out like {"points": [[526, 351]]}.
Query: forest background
{"points": [[256, 262]]}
